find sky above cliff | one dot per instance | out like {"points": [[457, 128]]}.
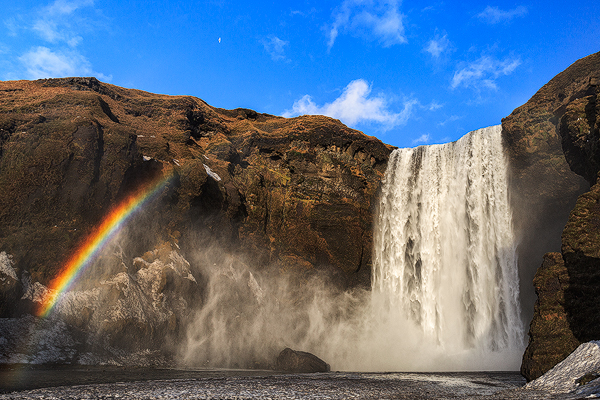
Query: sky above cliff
{"points": [[408, 72]]}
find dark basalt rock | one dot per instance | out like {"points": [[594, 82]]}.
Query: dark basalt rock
{"points": [[299, 361], [581, 254], [579, 129], [550, 337], [543, 188], [567, 284]]}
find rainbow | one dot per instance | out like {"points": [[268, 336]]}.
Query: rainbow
{"points": [[95, 242]]}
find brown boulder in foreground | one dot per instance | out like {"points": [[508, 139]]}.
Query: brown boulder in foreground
{"points": [[299, 361]]}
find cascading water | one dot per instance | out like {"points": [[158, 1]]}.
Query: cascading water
{"points": [[445, 273], [445, 283]]}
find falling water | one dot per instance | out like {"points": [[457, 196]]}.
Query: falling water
{"points": [[445, 270]]}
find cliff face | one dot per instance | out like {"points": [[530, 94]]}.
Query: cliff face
{"points": [[543, 188], [293, 195], [566, 284], [550, 336]]}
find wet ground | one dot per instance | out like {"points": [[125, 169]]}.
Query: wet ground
{"points": [[97, 382]]}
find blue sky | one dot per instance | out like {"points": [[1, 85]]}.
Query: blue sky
{"points": [[408, 72]]}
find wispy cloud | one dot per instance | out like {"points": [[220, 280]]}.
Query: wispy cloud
{"points": [[356, 105], [423, 139], [483, 72], [494, 15], [58, 21], [56, 34], [452, 118], [41, 62], [375, 19], [12, 25], [275, 47], [66, 7], [433, 106], [437, 46]]}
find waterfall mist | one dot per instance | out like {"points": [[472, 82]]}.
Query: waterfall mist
{"points": [[445, 270], [445, 285]]}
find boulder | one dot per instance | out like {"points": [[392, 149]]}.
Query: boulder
{"points": [[299, 361]]}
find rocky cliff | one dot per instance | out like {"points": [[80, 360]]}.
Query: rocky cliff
{"points": [[543, 188], [281, 199], [294, 196], [561, 118]]}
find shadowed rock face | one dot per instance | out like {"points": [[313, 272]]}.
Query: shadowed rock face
{"points": [[551, 338], [543, 188], [566, 312], [293, 195], [579, 129], [581, 254]]}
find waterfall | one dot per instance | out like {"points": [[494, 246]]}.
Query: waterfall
{"points": [[445, 272]]}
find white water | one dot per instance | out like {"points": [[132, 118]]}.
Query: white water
{"points": [[445, 282]]}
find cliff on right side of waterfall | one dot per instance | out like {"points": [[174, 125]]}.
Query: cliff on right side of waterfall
{"points": [[553, 143]]}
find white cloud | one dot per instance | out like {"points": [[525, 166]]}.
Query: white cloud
{"points": [[58, 22], [47, 30], [275, 47], [66, 7], [57, 28], [41, 62], [12, 25], [494, 15], [423, 139], [434, 105], [354, 106], [437, 46], [483, 72], [452, 118], [376, 19]]}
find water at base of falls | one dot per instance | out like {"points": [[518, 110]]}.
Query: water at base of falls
{"points": [[445, 281]]}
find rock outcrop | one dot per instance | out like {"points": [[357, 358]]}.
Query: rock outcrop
{"points": [[9, 283], [291, 196], [298, 192], [300, 361], [567, 284], [543, 189], [550, 335]]}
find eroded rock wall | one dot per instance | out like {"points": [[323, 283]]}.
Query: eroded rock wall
{"points": [[567, 290], [291, 196], [543, 188]]}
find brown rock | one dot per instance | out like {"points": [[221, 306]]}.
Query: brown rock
{"points": [[291, 194], [567, 310], [550, 337], [543, 188], [580, 132], [581, 252], [299, 361]]}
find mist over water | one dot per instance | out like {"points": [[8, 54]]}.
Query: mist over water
{"points": [[444, 290]]}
